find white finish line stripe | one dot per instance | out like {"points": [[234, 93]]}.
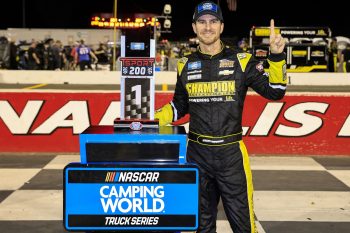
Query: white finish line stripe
{"points": [[302, 206]]}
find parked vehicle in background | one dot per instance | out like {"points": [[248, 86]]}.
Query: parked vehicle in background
{"points": [[306, 47]]}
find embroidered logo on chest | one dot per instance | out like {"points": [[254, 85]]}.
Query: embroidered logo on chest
{"points": [[224, 63], [194, 65]]}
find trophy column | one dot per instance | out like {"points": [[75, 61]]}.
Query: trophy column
{"points": [[137, 75]]}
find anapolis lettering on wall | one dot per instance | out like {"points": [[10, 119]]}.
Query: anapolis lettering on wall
{"points": [[299, 124]]}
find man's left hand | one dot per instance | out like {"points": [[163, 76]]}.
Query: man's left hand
{"points": [[277, 42]]}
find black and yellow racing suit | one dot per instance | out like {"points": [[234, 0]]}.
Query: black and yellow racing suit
{"points": [[212, 90]]}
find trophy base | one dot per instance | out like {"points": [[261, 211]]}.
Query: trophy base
{"points": [[136, 124]]}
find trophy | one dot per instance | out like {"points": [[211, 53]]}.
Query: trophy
{"points": [[137, 81]]}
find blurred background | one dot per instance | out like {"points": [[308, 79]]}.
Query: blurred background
{"points": [[57, 27]]}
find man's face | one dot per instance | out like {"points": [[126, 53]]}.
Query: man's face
{"points": [[208, 29]]}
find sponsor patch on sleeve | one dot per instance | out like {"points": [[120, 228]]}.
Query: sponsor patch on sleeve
{"points": [[284, 70], [260, 67]]}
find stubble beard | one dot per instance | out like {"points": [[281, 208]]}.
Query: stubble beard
{"points": [[208, 40]]}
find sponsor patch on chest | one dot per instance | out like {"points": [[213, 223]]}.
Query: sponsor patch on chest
{"points": [[225, 63], [194, 65], [206, 92], [226, 72], [194, 76]]}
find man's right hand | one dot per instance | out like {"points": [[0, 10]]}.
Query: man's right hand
{"points": [[164, 115]]}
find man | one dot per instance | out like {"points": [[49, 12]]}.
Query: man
{"points": [[345, 59], [243, 46], [33, 57], [83, 55], [333, 56], [211, 86]]}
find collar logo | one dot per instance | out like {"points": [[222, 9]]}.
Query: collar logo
{"points": [[242, 55]]}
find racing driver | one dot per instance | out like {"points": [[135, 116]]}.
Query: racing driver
{"points": [[211, 86]]}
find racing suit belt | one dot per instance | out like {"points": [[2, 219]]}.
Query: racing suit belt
{"points": [[214, 140]]}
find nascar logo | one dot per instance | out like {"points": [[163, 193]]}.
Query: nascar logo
{"points": [[151, 177]]}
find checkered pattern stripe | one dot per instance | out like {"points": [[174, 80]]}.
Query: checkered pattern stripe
{"points": [[134, 108], [292, 194]]}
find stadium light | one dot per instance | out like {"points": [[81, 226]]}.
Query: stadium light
{"points": [[167, 24], [167, 9]]}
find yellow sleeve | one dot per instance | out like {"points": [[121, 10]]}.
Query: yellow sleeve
{"points": [[277, 72], [164, 115]]}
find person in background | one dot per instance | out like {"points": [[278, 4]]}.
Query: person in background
{"points": [[84, 56], [243, 45], [58, 56], [212, 84], [102, 53], [68, 59], [333, 56], [74, 55], [33, 58], [13, 55], [345, 59], [49, 57]]}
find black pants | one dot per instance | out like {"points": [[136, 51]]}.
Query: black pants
{"points": [[224, 173], [83, 64]]}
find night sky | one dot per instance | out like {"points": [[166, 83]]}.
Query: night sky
{"points": [[77, 14]]}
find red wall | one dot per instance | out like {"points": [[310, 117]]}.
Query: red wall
{"points": [[299, 124]]}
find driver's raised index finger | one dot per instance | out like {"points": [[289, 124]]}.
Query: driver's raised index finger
{"points": [[272, 27]]}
